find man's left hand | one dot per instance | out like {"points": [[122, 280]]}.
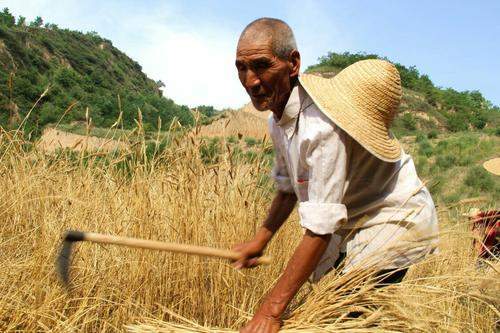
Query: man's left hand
{"points": [[303, 262], [262, 323]]}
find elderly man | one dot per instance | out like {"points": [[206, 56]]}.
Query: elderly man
{"points": [[358, 192]]}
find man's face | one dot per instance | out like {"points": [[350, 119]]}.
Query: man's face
{"points": [[265, 77]]}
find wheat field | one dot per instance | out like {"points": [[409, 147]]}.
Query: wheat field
{"points": [[172, 195], [246, 121]]}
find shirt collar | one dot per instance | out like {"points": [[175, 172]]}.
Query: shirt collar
{"points": [[288, 121]]}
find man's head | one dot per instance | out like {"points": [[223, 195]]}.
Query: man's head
{"points": [[268, 63]]}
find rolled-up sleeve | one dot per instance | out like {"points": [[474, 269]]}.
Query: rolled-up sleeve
{"points": [[326, 158]]}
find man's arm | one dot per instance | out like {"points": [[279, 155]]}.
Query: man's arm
{"points": [[299, 268], [322, 214], [281, 207]]}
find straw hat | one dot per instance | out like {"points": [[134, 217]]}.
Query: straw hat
{"points": [[362, 100], [493, 166]]}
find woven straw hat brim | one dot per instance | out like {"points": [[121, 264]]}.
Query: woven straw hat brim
{"points": [[493, 166], [357, 106]]}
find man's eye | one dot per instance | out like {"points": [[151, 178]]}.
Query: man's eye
{"points": [[261, 64]]}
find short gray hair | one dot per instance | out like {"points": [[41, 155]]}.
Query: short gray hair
{"points": [[282, 38]]}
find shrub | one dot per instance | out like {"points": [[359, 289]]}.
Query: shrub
{"points": [[250, 156], [433, 134], [409, 122], [422, 165], [441, 146], [425, 148], [464, 160], [420, 137], [452, 198], [436, 185], [479, 179], [250, 141], [457, 122], [445, 161]]}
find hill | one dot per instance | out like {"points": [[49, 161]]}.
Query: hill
{"points": [[83, 71], [425, 107]]}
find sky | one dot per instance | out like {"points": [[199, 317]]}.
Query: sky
{"points": [[190, 45]]}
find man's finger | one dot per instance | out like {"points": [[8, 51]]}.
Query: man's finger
{"points": [[246, 263], [239, 264], [252, 262]]}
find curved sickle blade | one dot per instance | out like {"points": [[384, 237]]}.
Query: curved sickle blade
{"points": [[63, 260]]}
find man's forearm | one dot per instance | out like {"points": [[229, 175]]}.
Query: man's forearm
{"points": [[299, 268], [281, 208]]}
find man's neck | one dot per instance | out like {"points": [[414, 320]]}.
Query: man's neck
{"points": [[278, 111]]}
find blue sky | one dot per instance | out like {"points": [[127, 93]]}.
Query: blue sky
{"points": [[190, 45]]}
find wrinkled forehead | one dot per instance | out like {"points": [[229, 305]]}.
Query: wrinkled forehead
{"points": [[250, 46]]}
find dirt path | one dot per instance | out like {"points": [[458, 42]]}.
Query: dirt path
{"points": [[53, 139]]}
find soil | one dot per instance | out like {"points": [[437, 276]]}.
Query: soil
{"points": [[53, 139]]}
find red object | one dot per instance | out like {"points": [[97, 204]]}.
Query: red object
{"points": [[486, 226]]}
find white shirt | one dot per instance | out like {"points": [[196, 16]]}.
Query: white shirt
{"points": [[338, 183]]}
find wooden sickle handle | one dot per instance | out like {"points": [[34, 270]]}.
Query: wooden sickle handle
{"points": [[164, 246]]}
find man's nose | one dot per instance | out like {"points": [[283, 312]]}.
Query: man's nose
{"points": [[252, 80]]}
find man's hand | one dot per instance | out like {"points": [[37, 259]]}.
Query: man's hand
{"points": [[281, 208], [301, 265], [262, 323], [250, 252]]}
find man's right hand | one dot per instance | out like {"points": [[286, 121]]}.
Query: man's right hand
{"points": [[250, 252]]}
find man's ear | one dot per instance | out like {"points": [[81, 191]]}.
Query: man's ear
{"points": [[294, 63]]}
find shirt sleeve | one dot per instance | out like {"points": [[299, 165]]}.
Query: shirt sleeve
{"points": [[326, 158]]}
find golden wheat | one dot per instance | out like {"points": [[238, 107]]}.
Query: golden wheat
{"points": [[174, 196]]}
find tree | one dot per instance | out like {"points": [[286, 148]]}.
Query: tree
{"points": [[160, 84], [206, 110], [6, 18], [37, 23], [21, 21]]}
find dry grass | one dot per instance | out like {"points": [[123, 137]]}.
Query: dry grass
{"points": [[175, 197]]}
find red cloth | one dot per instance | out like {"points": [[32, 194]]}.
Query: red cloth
{"points": [[487, 227]]}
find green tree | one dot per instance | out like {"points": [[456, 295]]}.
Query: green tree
{"points": [[37, 23], [21, 21], [206, 110], [6, 18]]}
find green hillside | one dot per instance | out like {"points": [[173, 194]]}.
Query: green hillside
{"points": [[425, 107], [81, 68]]}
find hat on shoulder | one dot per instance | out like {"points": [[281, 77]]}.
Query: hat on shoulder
{"points": [[362, 100]]}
